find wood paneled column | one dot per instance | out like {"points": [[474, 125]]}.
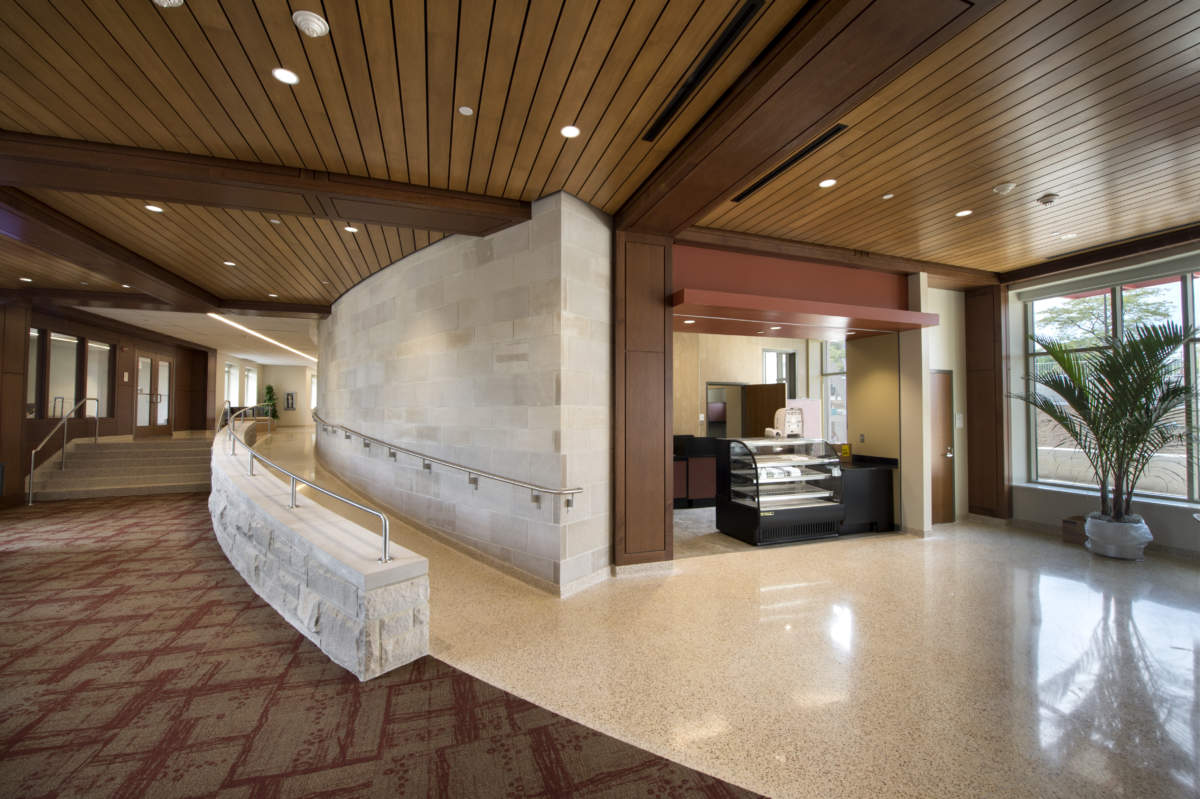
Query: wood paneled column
{"points": [[642, 517], [14, 351], [988, 459]]}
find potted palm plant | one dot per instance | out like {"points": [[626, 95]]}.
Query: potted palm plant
{"points": [[1121, 405]]}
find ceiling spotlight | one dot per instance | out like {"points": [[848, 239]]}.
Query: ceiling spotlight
{"points": [[777, 327], [1004, 188], [311, 24], [689, 321], [965, 212], [1067, 235], [83, 282], [285, 76], [153, 208], [324, 282], [168, 3], [126, 286], [466, 110], [827, 183], [25, 279], [272, 295], [229, 263], [273, 221], [1047, 198], [760, 332], [888, 196], [350, 229], [570, 131]]}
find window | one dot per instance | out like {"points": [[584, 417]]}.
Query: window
{"points": [[231, 384], [833, 389], [64, 354], [312, 397], [780, 367], [34, 371], [251, 386], [99, 368]]}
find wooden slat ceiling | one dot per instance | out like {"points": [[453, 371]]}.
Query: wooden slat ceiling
{"points": [[301, 259], [18, 260], [1098, 102]]}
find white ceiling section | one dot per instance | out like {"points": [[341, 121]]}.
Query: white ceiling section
{"points": [[203, 331]]}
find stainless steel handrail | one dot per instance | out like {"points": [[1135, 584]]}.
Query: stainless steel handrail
{"points": [[234, 438], [473, 475], [66, 417]]}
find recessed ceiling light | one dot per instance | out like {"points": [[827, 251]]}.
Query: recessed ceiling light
{"points": [[1067, 235], [83, 282], [777, 327], [1004, 188], [350, 229], [965, 212], [126, 286], [466, 110], [888, 196], [827, 183], [25, 279], [311, 24], [324, 282], [229, 263], [274, 221], [168, 3], [272, 295], [570, 131], [760, 332], [153, 208], [285, 76], [689, 321]]}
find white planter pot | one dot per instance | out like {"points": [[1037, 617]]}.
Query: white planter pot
{"points": [[1117, 539]]}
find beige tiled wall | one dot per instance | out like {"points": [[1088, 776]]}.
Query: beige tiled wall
{"points": [[492, 352]]}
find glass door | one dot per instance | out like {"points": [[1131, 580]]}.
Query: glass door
{"points": [[152, 410]]}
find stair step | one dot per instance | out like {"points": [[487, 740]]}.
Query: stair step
{"points": [[121, 491], [67, 480], [145, 458], [199, 445]]}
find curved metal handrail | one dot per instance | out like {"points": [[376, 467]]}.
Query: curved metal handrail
{"points": [[66, 417], [234, 438], [473, 475]]}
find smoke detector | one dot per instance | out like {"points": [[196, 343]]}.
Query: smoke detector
{"points": [[311, 24], [1004, 188], [1048, 198]]}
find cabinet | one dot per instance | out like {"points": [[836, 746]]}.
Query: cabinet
{"points": [[776, 490]]}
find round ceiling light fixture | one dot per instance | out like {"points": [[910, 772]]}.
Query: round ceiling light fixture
{"points": [[126, 286], [888, 196], [466, 110], [25, 279], [274, 221], [154, 209], [964, 212], [350, 229], [1067, 235], [229, 263], [311, 24], [272, 295], [168, 3], [570, 131], [827, 183], [689, 321], [1004, 188], [777, 327], [285, 76]]}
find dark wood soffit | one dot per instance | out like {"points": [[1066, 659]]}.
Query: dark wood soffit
{"points": [[940, 275], [36, 224], [105, 323], [73, 298], [830, 61], [150, 175], [1101, 256]]}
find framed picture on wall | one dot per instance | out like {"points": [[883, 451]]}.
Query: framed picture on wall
{"points": [[290, 401]]}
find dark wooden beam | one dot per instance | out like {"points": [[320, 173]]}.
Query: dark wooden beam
{"points": [[152, 175], [1103, 257], [32, 222], [133, 300], [292, 310], [835, 55], [940, 275]]}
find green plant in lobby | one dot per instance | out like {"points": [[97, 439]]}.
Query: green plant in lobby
{"points": [[269, 399], [1121, 404]]}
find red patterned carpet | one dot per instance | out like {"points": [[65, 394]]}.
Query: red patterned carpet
{"points": [[134, 662]]}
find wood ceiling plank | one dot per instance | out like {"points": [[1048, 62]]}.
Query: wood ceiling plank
{"points": [[508, 21], [374, 234], [408, 20], [540, 121], [267, 248], [408, 240], [474, 29], [391, 238], [36, 117], [54, 109], [380, 43], [441, 54], [306, 231], [335, 239], [421, 238], [18, 260], [346, 31]]}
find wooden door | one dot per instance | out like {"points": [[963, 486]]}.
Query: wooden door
{"points": [[941, 413], [154, 396], [759, 403]]}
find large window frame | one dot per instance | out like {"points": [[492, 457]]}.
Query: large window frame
{"points": [[39, 402], [1115, 287], [830, 373]]}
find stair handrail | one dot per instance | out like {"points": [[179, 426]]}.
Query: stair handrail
{"points": [[66, 417], [231, 419], [473, 474]]}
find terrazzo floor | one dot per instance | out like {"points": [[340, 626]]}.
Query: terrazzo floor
{"points": [[977, 661]]}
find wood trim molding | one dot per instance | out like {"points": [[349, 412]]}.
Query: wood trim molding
{"points": [[1161, 243], [67, 165], [943, 276]]}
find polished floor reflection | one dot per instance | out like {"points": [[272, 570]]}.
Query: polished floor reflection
{"points": [[977, 661]]}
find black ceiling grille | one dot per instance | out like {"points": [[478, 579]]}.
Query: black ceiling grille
{"points": [[716, 50], [803, 152]]}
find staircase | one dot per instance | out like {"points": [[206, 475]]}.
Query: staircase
{"points": [[125, 468]]}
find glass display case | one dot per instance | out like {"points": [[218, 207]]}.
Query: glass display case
{"points": [[776, 490]]}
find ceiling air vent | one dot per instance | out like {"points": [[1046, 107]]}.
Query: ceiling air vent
{"points": [[800, 154], [708, 61]]}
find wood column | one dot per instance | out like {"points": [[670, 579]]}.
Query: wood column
{"points": [[14, 351], [642, 453], [989, 467]]}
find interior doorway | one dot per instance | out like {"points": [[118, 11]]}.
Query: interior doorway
{"points": [[152, 402], [941, 413], [723, 411]]}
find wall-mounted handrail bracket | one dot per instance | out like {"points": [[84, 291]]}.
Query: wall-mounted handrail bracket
{"points": [[426, 465], [473, 481], [535, 498], [569, 501], [366, 444], [392, 454]]}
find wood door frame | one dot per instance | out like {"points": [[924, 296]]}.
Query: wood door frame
{"points": [[152, 430], [953, 447]]}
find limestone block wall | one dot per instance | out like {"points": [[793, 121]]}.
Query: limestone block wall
{"points": [[320, 571], [495, 353]]}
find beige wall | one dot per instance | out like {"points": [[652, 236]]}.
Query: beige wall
{"points": [[285, 379], [948, 351], [873, 395], [702, 358]]}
